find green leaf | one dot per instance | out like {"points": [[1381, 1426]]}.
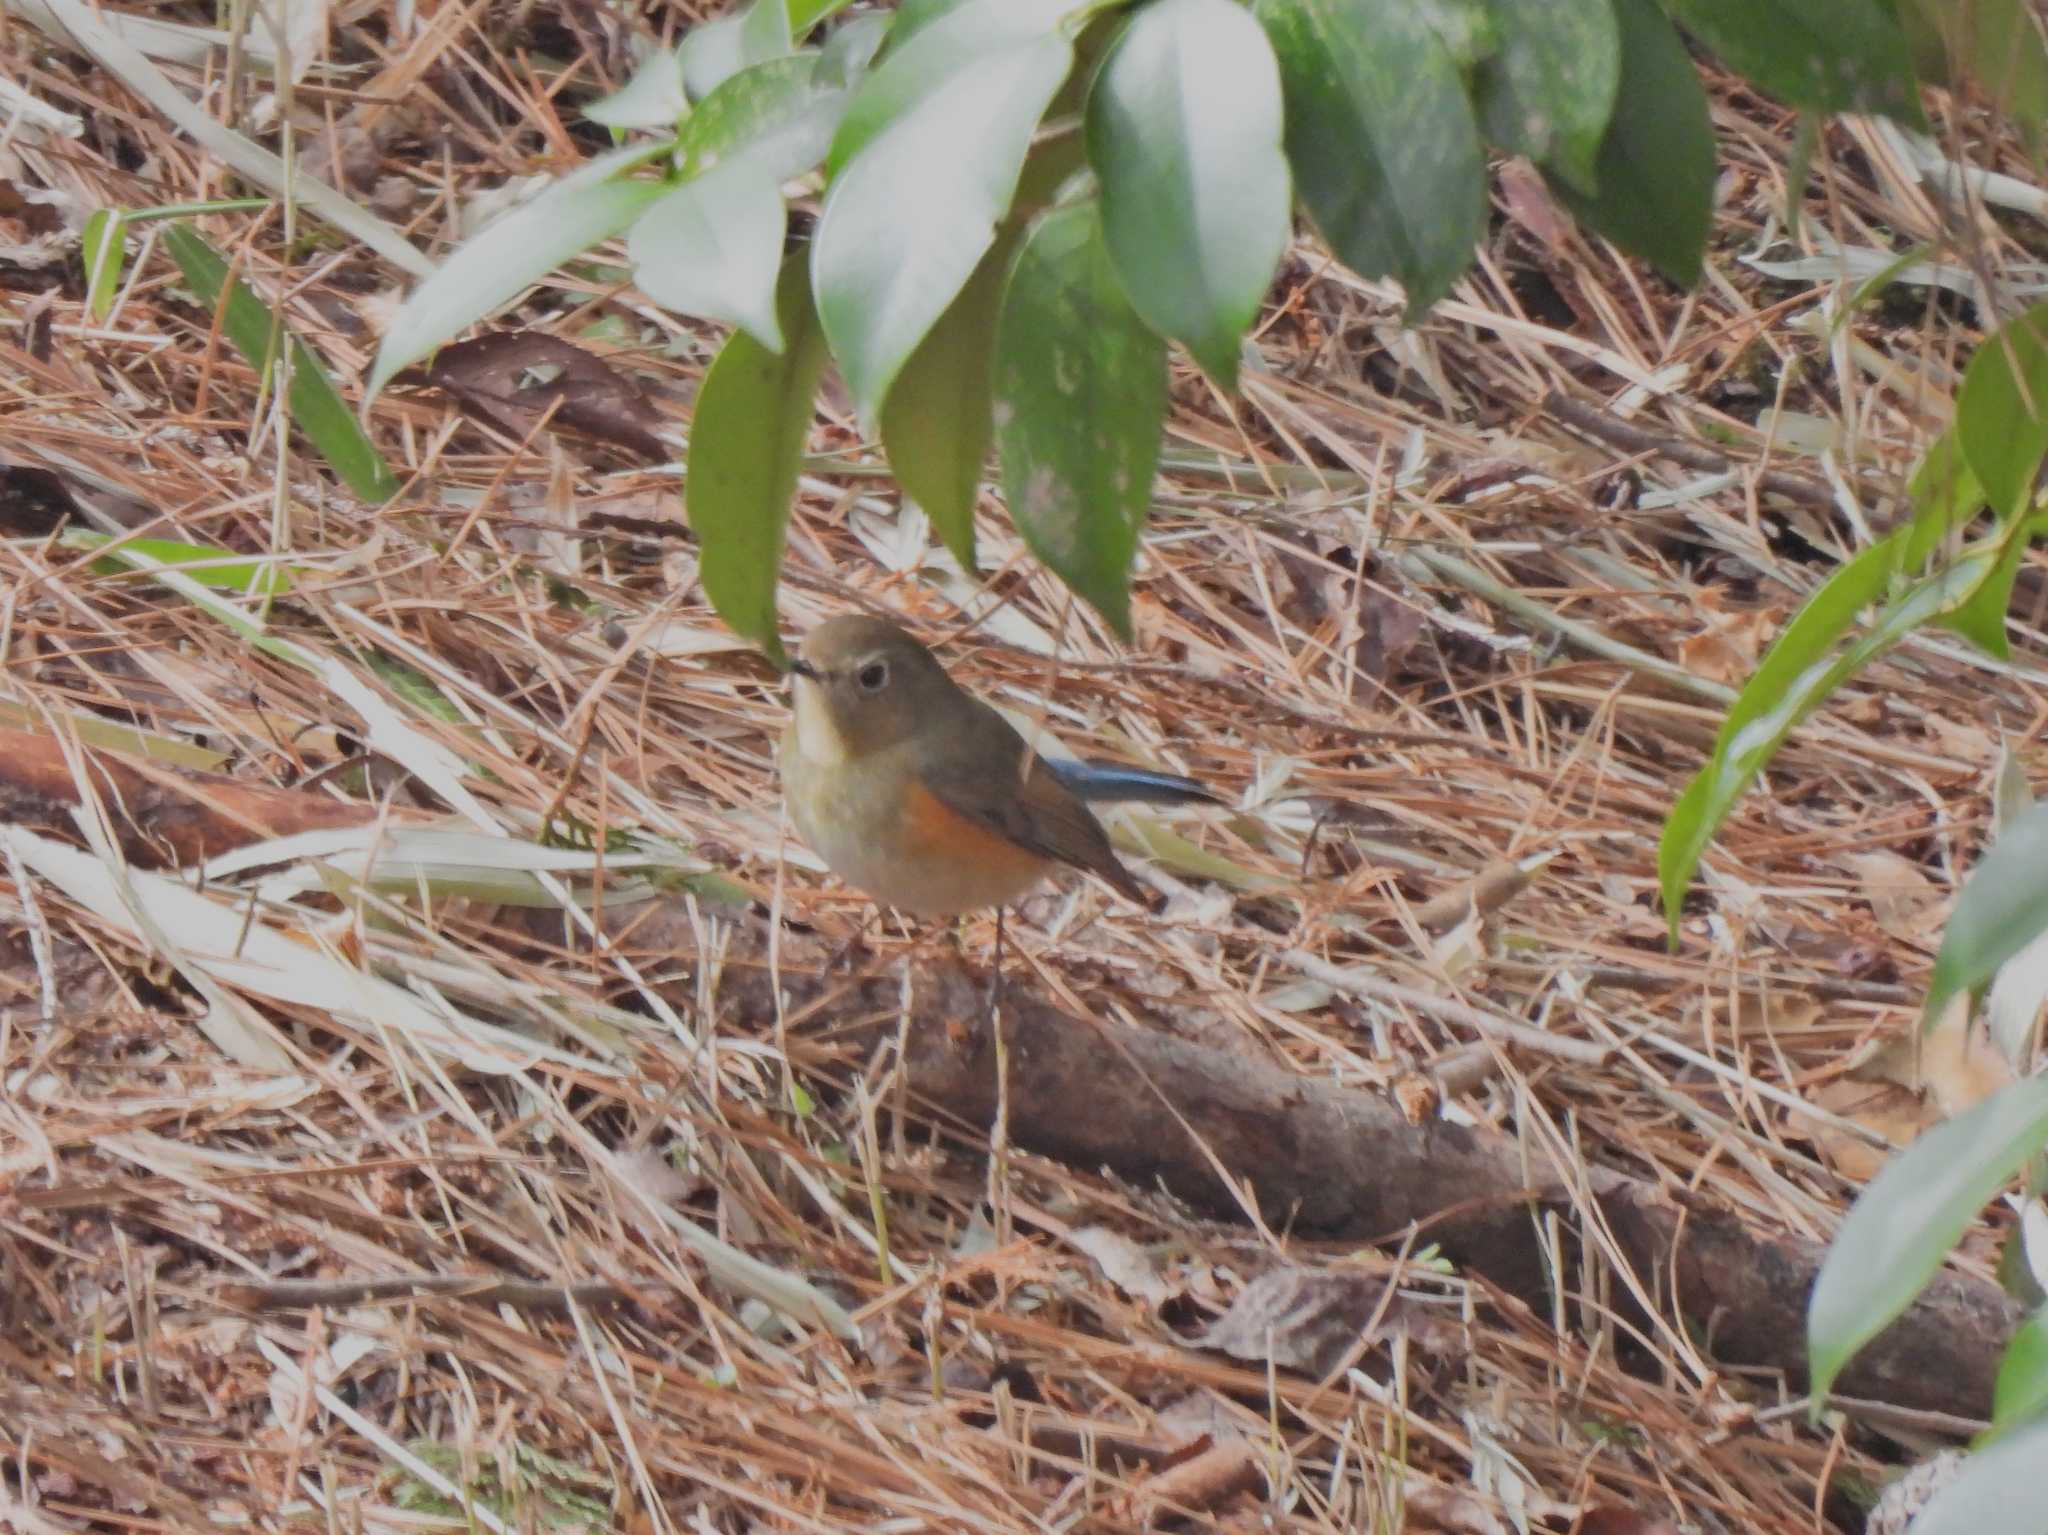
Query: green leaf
{"points": [[940, 414], [1980, 618], [844, 60], [1831, 55], [2002, 908], [103, 249], [1945, 496], [746, 445], [908, 220], [710, 247], [2002, 412], [316, 407], [1184, 130], [1795, 677], [1080, 402], [927, 51], [205, 563], [1997, 1492], [1386, 155], [2021, 1394], [715, 51], [1655, 171], [498, 263], [776, 115], [1548, 90], [1910, 1217], [805, 14], [652, 98]]}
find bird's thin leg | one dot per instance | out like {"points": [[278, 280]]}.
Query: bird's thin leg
{"points": [[999, 1130]]}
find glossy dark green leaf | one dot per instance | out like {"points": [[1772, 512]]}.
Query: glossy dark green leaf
{"points": [[103, 248], [315, 406], [746, 445], [1080, 402], [1385, 152], [2021, 1394], [933, 50], [1831, 55], [1548, 89], [909, 218], [939, 418], [1655, 170], [710, 248], [1802, 669], [496, 265], [1184, 127], [1909, 1218], [775, 114], [2002, 411]]}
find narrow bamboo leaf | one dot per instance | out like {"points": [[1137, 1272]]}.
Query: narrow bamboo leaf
{"points": [[207, 564], [1184, 127], [2002, 412], [1385, 152], [652, 98], [1548, 89], [746, 444], [316, 407], [710, 247], [495, 265], [927, 50], [1945, 497], [1909, 1218], [1080, 400], [1981, 618], [908, 220], [775, 114], [2021, 1394], [1795, 677], [939, 417], [102, 247], [2003, 907], [1655, 171], [1831, 55]]}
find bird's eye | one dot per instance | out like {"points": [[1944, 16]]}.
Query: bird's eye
{"points": [[873, 677]]}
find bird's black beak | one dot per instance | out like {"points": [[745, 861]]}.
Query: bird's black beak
{"points": [[803, 669]]}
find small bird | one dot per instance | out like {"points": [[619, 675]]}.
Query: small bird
{"points": [[925, 797]]}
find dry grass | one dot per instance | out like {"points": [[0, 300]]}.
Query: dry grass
{"points": [[1367, 613]]}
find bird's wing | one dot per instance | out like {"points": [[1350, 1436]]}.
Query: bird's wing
{"points": [[1014, 795], [1113, 781]]}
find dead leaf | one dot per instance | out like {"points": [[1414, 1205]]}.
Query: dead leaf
{"points": [[1309, 1320], [1895, 1112], [1726, 651], [510, 378], [1907, 904], [1124, 1264]]}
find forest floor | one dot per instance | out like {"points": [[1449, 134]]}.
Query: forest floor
{"points": [[596, 1231]]}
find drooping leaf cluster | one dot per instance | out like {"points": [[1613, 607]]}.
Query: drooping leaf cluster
{"points": [[1023, 201]]}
